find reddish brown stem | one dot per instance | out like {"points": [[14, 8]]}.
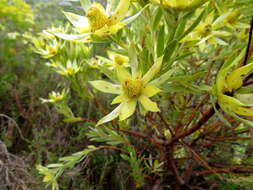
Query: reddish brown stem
{"points": [[227, 138], [152, 140], [204, 100], [207, 115], [166, 123], [228, 169], [176, 172]]}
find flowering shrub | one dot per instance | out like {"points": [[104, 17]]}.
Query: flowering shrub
{"points": [[181, 71]]}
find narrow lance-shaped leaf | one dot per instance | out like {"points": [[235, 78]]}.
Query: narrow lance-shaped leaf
{"points": [[153, 70], [163, 78], [133, 17], [160, 41], [157, 18], [233, 60], [133, 59], [194, 25], [107, 135], [180, 28], [172, 45], [120, 11], [186, 78]]}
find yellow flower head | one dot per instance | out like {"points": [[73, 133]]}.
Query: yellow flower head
{"points": [[68, 69], [233, 17], [52, 50], [208, 31], [115, 60], [49, 175], [48, 178], [47, 48], [94, 63], [56, 97], [120, 60], [204, 30], [97, 21], [131, 89], [97, 16]]}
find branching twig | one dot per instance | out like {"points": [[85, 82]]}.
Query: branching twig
{"points": [[196, 109], [175, 171], [16, 126], [166, 123], [227, 169], [152, 140], [199, 159], [211, 138], [207, 115]]}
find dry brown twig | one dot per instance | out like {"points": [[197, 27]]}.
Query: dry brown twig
{"points": [[13, 171]]}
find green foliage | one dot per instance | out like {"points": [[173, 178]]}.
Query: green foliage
{"points": [[162, 59], [179, 72], [16, 13], [53, 171], [135, 164], [107, 135]]}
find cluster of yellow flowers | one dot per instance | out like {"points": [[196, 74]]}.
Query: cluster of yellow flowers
{"points": [[131, 88], [139, 87]]}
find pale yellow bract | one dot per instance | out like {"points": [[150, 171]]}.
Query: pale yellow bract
{"points": [[130, 90], [228, 82]]}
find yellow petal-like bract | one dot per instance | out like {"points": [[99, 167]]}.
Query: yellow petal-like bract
{"points": [[132, 89], [235, 79], [227, 83]]}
